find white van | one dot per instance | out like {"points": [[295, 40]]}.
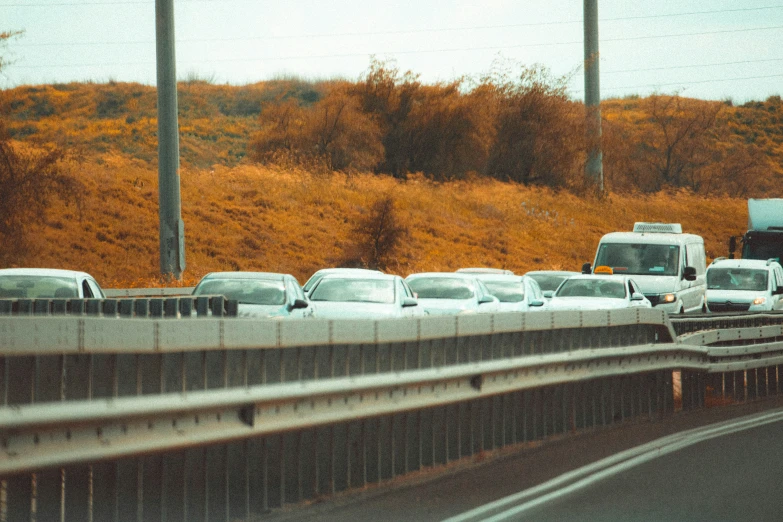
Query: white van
{"points": [[668, 266], [740, 285]]}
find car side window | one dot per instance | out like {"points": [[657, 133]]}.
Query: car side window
{"points": [[86, 290]]}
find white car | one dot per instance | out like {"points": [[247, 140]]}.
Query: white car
{"points": [[260, 294], [598, 292], [739, 285], [48, 283], [448, 293], [363, 295], [339, 271], [515, 293]]}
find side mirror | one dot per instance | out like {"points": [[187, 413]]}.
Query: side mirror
{"points": [[636, 296], [549, 293], [536, 302], [587, 268], [487, 299], [409, 301], [299, 304], [778, 291], [689, 273]]}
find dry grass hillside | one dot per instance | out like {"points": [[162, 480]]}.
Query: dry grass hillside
{"points": [[244, 216], [255, 218]]}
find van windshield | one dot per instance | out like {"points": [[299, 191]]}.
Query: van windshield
{"points": [[639, 258]]}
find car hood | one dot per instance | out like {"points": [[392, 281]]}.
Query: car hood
{"points": [[586, 303], [448, 306], [255, 310], [343, 310], [649, 284], [735, 296]]}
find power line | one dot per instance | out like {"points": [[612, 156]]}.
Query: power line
{"points": [[544, 44], [694, 82], [690, 66], [374, 33]]}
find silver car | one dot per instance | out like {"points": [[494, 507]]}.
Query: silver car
{"points": [[363, 295], [260, 294], [448, 293], [339, 271], [515, 293], [48, 283], [549, 280]]}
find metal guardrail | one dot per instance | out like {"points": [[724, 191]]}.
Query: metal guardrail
{"points": [[148, 292], [222, 419], [171, 307], [684, 324]]}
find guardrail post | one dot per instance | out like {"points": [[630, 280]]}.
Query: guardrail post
{"points": [[762, 382], [59, 306], [41, 307], [186, 307], [156, 307], [93, 307], [110, 307], [751, 377], [170, 307], [772, 376], [25, 306]]}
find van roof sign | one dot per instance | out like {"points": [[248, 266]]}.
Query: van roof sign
{"points": [[661, 228]]}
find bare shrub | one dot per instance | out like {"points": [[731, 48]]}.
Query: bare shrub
{"points": [[377, 236], [29, 179]]}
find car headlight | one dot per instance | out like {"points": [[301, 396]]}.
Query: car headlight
{"points": [[668, 298], [759, 300]]}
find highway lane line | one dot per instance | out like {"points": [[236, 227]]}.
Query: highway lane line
{"points": [[567, 483]]}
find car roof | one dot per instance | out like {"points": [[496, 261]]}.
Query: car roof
{"points": [[655, 238], [347, 271], [44, 272], [358, 275], [500, 277], [452, 275], [761, 264], [485, 270], [553, 272], [246, 275], [607, 277]]}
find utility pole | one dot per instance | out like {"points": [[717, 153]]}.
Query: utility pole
{"points": [[594, 168], [172, 229]]}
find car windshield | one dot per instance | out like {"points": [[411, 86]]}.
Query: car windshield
{"points": [[592, 288], [548, 281], [246, 291], [507, 291], [38, 287], [441, 288], [736, 279], [639, 258], [354, 290]]}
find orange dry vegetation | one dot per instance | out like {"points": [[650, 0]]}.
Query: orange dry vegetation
{"points": [[259, 218]]}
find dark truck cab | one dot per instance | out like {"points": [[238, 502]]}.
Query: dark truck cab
{"points": [[764, 238]]}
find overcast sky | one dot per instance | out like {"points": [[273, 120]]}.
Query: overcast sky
{"points": [[711, 49]]}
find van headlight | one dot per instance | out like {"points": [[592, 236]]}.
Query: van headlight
{"points": [[668, 298], [759, 301]]}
